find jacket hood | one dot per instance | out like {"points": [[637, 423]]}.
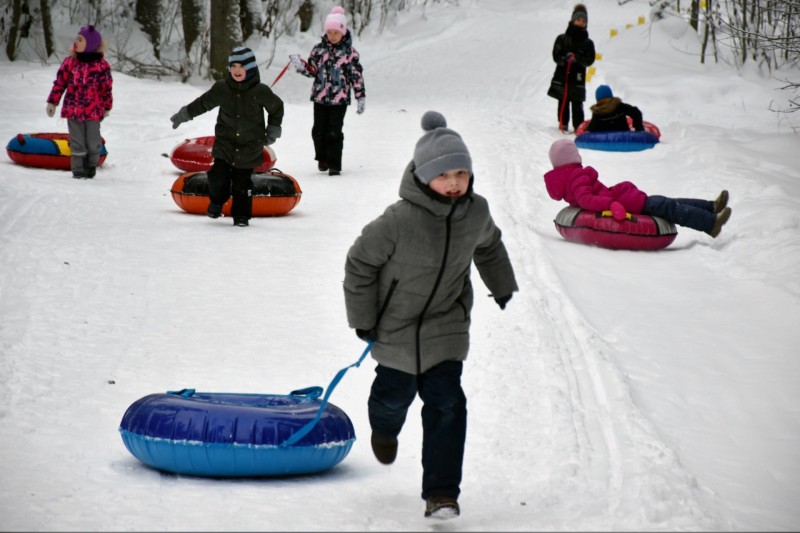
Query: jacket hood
{"points": [[606, 105], [416, 192]]}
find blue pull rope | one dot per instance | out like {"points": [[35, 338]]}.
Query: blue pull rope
{"points": [[303, 431]]}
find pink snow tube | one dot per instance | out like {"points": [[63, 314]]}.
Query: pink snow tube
{"points": [[640, 232]]}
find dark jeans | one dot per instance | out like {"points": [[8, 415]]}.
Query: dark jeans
{"points": [[444, 420], [577, 113], [688, 212], [327, 134], [225, 181]]}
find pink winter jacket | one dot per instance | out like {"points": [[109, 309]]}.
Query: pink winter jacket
{"points": [[88, 88], [579, 186]]}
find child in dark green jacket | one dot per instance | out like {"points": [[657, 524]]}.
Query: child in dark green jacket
{"points": [[407, 288], [240, 133]]}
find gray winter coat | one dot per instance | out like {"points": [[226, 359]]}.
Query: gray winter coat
{"points": [[418, 255]]}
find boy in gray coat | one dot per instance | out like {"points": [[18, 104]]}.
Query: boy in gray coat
{"points": [[407, 288]]}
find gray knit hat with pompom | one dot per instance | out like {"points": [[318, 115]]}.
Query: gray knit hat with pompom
{"points": [[440, 149]]}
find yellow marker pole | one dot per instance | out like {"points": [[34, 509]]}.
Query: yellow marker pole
{"points": [[613, 32], [640, 21], [598, 56]]}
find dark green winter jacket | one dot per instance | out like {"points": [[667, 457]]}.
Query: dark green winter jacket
{"points": [[421, 249], [240, 133]]}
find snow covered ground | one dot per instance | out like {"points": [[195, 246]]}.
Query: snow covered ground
{"points": [[618, 390]]}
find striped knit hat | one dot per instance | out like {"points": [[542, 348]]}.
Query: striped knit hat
{"points": [[245, 57]]}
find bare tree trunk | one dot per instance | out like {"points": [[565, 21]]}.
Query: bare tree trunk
{"points": [[47, 27], [225, 34], [250, 18], [706, 31], [11, 45], [694, 14], [306, 15], [191, 18], [148, 14]]}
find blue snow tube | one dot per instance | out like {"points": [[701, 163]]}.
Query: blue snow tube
{"points": [[616, 141], [235, 435]]}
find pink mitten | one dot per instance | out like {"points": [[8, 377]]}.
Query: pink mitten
{"points": [[618, 211]]}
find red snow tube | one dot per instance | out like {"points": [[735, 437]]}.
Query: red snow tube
{"points": [[194, 155], [274, 193], [618, 141], [44, 150], [640, 232]]}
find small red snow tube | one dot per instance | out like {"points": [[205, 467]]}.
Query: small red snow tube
{"points": [[194, 155], [618, 141], [274, 193], [639, 232], [44, 150]]}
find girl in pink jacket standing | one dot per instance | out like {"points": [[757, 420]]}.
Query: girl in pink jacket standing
{"points": [[579, 187], [84, 79]]}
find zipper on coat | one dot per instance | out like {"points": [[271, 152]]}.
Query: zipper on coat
{"points": [[435, 287]]}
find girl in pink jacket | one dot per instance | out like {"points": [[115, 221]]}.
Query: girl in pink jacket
{"points": [[579, 187], [84, 79]]}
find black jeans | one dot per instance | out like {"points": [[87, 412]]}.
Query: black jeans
{"points": [[444, 420], [327, 134], [225, 181]]}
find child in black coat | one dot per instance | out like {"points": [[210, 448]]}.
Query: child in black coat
{"points": [[240, 134], [611, 113], [573, 51]]}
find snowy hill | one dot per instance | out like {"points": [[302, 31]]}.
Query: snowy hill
{"points": [[617, 391]]}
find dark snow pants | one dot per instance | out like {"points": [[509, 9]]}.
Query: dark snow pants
{"points": [[225, 181], [577, 113], [327, 134], [444, 420], [687, 212]]}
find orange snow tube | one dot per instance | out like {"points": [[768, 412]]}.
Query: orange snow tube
{"points": [[274, 193]]}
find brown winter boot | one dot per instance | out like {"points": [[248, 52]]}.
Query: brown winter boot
{"points": [[441, 507], [721, 202], [384, 448], [722, 218]]}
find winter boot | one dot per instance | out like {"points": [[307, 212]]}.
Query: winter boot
{"points": [[322, 166], [91, 172], [241, 222], [722, 218], [384, 448], [441, 507], [721, 202], [214, 210], [79, 175], [334, 172]]}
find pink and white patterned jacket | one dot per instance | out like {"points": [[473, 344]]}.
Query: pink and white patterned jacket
{"points": [[336, 70], [85, 81]]}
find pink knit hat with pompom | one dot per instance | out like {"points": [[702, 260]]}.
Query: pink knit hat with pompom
{"points": [[336, 20]]}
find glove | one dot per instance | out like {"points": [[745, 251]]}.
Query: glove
{"points": [[51, 110], [618, 211], [180, 117], [272, 134], [570, 57], [361, 103], [367, 335], [502, 301], [296, 62]]}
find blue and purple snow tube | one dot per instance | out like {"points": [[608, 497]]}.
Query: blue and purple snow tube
{"points": [[237, 435], [618, 141]]}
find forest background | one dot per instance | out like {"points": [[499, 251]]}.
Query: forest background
{"points": [[193, 38]]}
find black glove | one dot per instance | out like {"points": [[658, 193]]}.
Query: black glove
{"points": [[367, 335], [503, 300], [570, 58], [180, 117]]}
